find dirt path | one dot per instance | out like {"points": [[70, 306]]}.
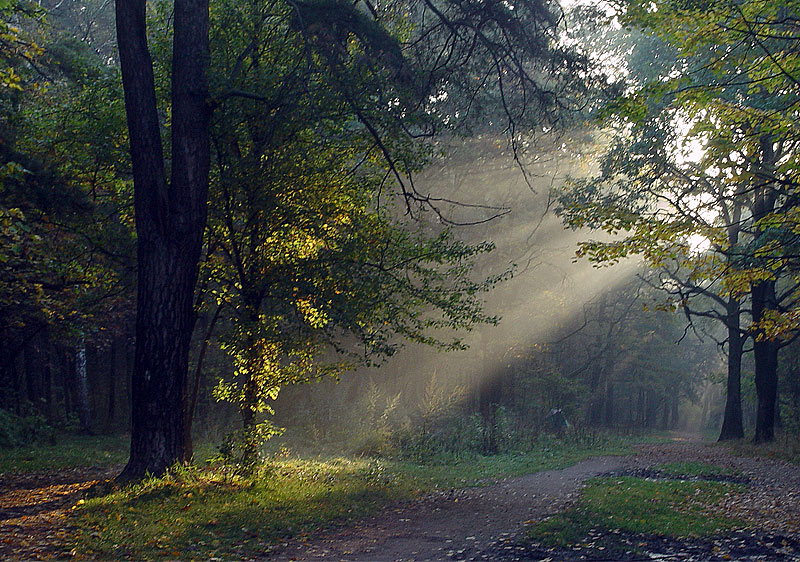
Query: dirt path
{"points": [[484, 523], [34, 509], [465, 524], [469, 524]]}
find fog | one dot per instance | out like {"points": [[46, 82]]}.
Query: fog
{"points": [[572, 336]]}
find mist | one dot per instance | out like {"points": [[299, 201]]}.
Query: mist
{"points": [[582, 340]]}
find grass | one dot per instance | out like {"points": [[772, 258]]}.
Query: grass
{"points": [[68, 451], [693, 468], [608, 506], [199, 513], [478, 470]]}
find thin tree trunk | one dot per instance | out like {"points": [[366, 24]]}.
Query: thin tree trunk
{"points": [[609, 417], [111, 384], [82, 386], [67, 366], [194, 393]]}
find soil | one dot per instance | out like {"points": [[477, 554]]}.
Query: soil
{"points": [[482, 523]]}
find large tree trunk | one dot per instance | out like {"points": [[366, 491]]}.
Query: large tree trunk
{"points": [[765, 353], [169, 221], [764, 299], [732, 427]]}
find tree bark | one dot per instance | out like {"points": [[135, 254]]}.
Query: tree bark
{"points": [[82, 385], [764, 298], [610, 419], [111, 384], [732, 427], [170, 220], [765, 353]]}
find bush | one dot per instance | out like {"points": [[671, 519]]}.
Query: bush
{"points": [[17, 431]]}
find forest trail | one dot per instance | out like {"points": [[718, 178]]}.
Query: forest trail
{"points": [[484, 523], [463, 524], [34, 510], [479, 523]]}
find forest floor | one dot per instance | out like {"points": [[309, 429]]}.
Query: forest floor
{"points": [[35, 508], [487, 522]]}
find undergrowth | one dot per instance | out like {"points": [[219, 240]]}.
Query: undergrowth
{"points": [[786, 446], [198, 514]]}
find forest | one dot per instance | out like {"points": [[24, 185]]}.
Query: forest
{"points": [[250, 247]]}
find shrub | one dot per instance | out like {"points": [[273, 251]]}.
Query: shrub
{"points": [[17, 431]]}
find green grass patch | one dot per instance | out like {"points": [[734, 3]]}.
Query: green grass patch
{"points": [[634, 505], [693, 468], [478, 469], [68, 451], [197, 514]]}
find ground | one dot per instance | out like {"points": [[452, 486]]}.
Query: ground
{"points": [[481, 523], [34, 510]]}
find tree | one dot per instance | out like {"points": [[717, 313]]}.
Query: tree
{"points": [[714, 95], [170, 220], [748, 78], [379, 60], [63, 262]]}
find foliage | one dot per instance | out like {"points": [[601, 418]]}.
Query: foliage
{"points": [[728, 88], [22, 431], [65, 246], [311, 269]]}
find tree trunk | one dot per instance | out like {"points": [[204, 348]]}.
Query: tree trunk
{"points": [[82, 387], [609, 417], [194, 392], [111, 384], [31, 374], [169, 221], [675, 409], [732, 427], [65, 371], [765, 353], [596, 401], [47, 383]]}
